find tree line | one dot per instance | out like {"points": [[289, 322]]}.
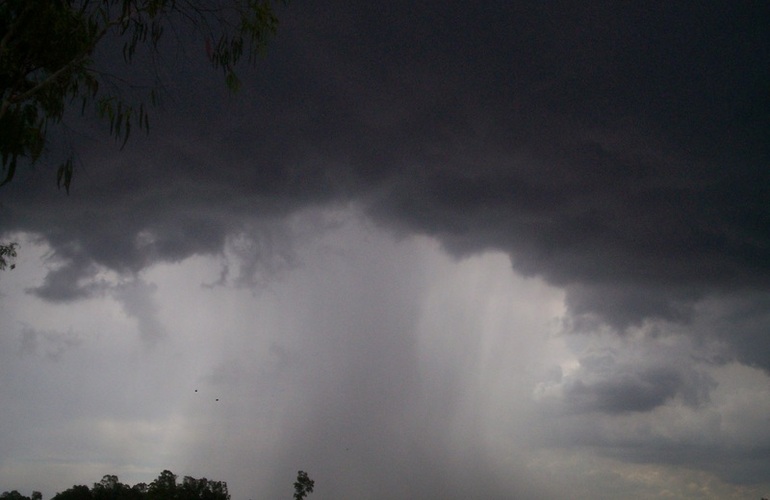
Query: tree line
{"points": [[164, 487]]}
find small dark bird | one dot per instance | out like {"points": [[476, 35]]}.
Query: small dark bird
{"points": [[217, 399], [196, 390]]}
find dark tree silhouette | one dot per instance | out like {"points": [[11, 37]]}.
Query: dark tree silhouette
{"points": [[79, 492], [46, 61], [15, 495], [303, 486], [7, 254]]}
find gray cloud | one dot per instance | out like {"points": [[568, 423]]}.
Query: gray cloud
{"points": [[53, 344], [623, 306], [72, 277], [136, 299], [742, 322], [651, 368], [618, 152], [606, 386], [385, 369]]}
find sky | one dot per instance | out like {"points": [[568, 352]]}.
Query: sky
{"points": [[431, 249]]}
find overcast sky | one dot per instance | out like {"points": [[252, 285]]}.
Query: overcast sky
{"points": [[431, 250]]}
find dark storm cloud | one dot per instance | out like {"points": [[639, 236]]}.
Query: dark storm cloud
{"points": [[620, 305], [619, 150], [634, 374], [741, 319], [70, 280], [608, 386]]}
